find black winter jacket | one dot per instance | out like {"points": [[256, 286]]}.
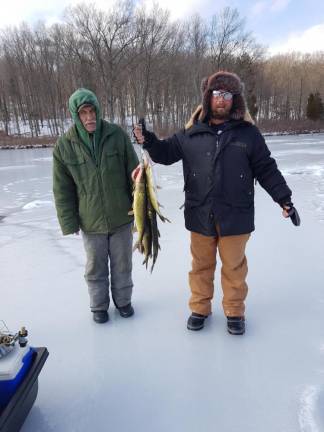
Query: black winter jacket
{"points": [[221, 168]]}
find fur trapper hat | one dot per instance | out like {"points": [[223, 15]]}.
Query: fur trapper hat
{"points": [[230, 82], [197, 113]]}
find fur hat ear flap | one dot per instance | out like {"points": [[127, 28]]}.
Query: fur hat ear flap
{"points": [[248, 118], [194, 117], [238, 108], [205, 106], [204, 84]]}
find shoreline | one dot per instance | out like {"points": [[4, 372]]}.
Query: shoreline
{"points": [[51, 145], [25, 146], [288, 133]]}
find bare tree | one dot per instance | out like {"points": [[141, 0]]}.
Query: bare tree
{"points": [[139, 62]]}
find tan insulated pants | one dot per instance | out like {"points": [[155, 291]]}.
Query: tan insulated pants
{"points": [[233, 273]]}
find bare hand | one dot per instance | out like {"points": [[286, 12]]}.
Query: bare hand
{"points": [[290, 211], [137, 131], [136, 172], [284, 212]]}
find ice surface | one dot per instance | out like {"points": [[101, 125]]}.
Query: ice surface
{"points": [[148, 372]]}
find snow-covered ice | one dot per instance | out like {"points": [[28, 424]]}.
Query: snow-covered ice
{"points": [[148, 372], [37, 203]]}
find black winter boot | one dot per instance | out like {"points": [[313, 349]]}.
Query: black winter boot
{"points": [[236, 325], [196, 321], [126, 311], [100, 317]]}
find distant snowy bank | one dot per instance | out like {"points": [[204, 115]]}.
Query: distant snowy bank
{"points": [[24, 146], [49, 145], [282, 133]]}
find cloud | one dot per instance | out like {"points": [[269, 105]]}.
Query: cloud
{"points": [[258, 8], [184, 9], [51, 11], [100, 4], [266, 6], [30, 11], [308, 41], [278, 5]]}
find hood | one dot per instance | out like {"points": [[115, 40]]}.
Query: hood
{"points": [[80, 97]]}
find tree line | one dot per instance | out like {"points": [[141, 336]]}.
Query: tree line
{"points": [[141, 63]]}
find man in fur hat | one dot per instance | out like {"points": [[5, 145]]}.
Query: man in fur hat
{"points": [[222, 153]]}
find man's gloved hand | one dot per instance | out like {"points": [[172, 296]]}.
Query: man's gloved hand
{"points": [[138, 134], [139, 131], [290, 211]]}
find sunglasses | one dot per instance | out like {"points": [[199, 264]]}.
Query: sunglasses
{"points": [[223, 94]]}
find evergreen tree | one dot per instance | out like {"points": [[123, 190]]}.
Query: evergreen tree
{"points": [[315, 108], [320, 105]]}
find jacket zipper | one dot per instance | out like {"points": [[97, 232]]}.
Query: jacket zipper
{"points": [[99, 182], [101, 195], [96, 163]]}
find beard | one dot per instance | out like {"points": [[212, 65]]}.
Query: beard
{"points": [[220, 114]]}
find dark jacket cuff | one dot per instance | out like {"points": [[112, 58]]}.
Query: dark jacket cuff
{"points": [[149, 138], [284, 201]]}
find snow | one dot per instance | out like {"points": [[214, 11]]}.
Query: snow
{"points": [[309, 398], [148, 372], [37, 203], [44, 128]]}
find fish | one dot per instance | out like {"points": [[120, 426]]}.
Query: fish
{"points": [[139, 208], [155, 240], [145, 210], [155, 234], [151, 189], [147, 243]]}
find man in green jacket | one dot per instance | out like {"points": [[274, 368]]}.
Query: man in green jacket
{"points": [[92, 185]]}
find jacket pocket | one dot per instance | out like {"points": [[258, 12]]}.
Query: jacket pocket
{"points": [[77, 160], [191, 200], [113, 161], [240, 191], [112, 158], [77, 167], [115, 170], [239, 144], [195, 183]]}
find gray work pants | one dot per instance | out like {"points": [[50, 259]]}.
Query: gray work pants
{"points": [[109, 255]]}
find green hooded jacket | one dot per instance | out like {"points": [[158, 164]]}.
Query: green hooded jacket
{"points": [[92, 191], [80, 97]]}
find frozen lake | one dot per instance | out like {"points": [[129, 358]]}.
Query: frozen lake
{"points": [[148, 372]]}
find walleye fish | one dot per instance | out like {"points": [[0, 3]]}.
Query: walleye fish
{"points": [[147, 243], [155, 234], [139, 208], [152, 189], [145, 211]]}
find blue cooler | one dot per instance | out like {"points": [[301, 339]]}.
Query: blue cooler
{"points": [[13, 369], [29, 367]]}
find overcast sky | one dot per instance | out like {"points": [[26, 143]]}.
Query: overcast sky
{"points": [[282, 25]]}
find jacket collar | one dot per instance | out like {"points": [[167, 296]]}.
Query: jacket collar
{"points": [[201, 127], [107, 129]]}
